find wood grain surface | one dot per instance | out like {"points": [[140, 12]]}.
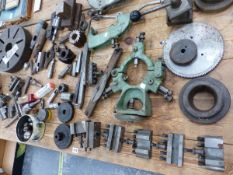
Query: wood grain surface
{"points": [[166, 118]]}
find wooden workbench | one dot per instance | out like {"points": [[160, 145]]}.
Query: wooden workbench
{"points": [[166, 118]]}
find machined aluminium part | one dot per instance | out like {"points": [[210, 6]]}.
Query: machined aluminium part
{"points": [[51, 68], [88, 132], [29, 128], [4, 112], [66, 96], [100, 5], [14, 44], [65, 10], [65, 71], [126, 108], [62, 136], [39, 26], [52, 96], [49, 56], [193, 50], [77, 16], [174, 152], [180, 12], [213, 5], [65, 112], [82, 82], [142, 143], [16, 85], [39, 63], [222, 100], [77, 38], [210, 152], [114, 137], [38, 40]]}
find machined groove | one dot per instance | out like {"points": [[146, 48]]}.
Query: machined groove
{"points": [[15, 33]]}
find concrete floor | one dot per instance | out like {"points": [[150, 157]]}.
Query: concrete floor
{"points": [[38, 161]]}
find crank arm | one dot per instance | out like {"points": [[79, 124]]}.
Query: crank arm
{"points": [[113, 31]]}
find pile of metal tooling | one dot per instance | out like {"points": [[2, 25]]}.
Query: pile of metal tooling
{"points": [[191, 51]]}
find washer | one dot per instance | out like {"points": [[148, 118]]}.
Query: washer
{"points": [[222, 100], [65, 112], [200, 44]]}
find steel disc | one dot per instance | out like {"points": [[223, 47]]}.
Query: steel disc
{"points": [[62, 136], [210, 49], [65, 112], [14, 52]]}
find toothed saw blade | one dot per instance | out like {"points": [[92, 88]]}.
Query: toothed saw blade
{"points": [[210, 49]]}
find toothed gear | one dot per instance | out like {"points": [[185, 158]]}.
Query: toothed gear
{"points": [[74, 36], [210, 50], [77, 38]]}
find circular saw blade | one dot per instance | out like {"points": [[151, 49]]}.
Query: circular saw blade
{"points": [[210, 48]]}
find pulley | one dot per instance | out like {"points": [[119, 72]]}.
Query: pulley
{"points": [[62, 136], [14, 52], [65, 112]]}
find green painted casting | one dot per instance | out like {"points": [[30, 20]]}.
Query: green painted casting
{"points": [[150, 83], [114, 31]]}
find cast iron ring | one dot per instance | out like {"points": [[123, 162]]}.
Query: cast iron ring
{"points": [[213, 6], [222, 100]]}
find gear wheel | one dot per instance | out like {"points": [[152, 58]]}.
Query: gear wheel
{"points": [[201, 47], [77, 38]]}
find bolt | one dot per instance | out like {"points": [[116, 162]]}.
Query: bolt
{"points": [[151, 82], [125, 78]]}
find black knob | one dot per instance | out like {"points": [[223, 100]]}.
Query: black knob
{"points": [[135, 16]]}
